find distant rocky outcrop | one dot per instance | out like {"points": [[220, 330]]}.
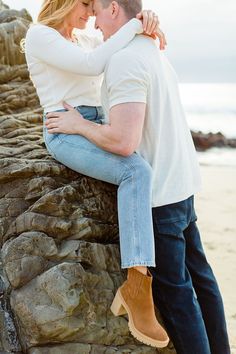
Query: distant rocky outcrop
{"points": [[204, 142], [60, 261]]}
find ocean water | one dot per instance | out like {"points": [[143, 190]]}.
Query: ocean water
{"points": [[212, 108]]}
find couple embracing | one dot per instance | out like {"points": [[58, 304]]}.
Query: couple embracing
{"points": [[127, 127]]}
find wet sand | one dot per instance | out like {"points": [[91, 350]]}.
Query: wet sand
{"points": [[216, 210]]}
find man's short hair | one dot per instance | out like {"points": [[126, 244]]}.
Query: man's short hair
{"points": [[130, 7]]}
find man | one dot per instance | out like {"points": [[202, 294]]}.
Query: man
{"points": [[144, 114]]}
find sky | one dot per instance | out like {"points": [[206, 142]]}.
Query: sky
{"points": [[201, 36]]}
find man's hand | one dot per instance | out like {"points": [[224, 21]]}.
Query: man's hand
{"points": [[70, 122], [151, 26]]}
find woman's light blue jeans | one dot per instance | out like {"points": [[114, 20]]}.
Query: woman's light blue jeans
{"points": [[132, 174]]}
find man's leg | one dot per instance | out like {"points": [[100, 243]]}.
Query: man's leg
{"points": [[207, 291], [172, 285]]}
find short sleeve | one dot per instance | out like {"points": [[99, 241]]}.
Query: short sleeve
{"points": [[126, 79]]}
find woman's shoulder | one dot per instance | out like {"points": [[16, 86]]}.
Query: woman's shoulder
{"points": [[37, 29], [39, 34]]}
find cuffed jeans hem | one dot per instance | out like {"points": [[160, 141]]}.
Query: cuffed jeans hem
{"points": [[138, 264]]}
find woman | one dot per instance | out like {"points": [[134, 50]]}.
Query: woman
{"points": [[63, 69]]}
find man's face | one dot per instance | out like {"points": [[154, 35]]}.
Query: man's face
{"points": [[104, 20]]}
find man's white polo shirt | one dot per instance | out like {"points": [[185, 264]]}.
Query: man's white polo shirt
{"points": [[141, 73]]}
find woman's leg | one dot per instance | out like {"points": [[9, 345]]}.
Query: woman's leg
{"points": [[132, 174]]}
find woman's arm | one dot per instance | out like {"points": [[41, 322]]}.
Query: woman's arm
{"points": [[151, 28], [47, 45]]}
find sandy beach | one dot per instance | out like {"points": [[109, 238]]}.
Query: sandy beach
{"points": [[216, 210]]}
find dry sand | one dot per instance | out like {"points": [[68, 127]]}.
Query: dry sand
{"points": [[216, 210]]}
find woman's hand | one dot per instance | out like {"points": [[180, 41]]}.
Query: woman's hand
{"points": [[70, 122], [151, 26]]}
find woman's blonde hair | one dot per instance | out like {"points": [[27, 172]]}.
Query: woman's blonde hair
{"points": [[53, 12]]}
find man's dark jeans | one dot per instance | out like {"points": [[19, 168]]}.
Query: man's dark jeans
{"points": [[184, 287]]}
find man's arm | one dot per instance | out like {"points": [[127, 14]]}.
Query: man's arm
{"points": [[127, 82], [122, 136]]}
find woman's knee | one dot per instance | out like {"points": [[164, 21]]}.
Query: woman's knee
{"points": [[136, 166]]}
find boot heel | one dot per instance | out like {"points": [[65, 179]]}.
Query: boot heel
{"points": [[117, 308]]}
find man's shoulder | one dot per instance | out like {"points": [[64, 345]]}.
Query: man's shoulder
{"points": [[135, 50], [127, 58]]}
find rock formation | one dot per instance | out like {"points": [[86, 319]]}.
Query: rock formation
{"points": [[60, 261], [204, 142]]}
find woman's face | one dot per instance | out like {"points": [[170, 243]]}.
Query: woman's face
{"points": [[79, 16]]}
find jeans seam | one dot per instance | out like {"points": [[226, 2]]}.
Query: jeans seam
{"points": [[168, 221], [135, 210]]}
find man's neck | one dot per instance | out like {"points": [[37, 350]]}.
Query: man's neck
{"points": [[120, 23]]}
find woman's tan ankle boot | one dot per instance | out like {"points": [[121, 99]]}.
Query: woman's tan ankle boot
{"points": [[134, 297]]}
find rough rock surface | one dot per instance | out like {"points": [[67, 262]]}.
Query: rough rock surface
{"points": [[13, 25], [60, 261]]}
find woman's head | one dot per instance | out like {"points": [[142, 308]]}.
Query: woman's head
{"points": [[73, 13]]}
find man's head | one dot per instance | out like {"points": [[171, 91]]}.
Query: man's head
{"points": [[111, 15]]}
